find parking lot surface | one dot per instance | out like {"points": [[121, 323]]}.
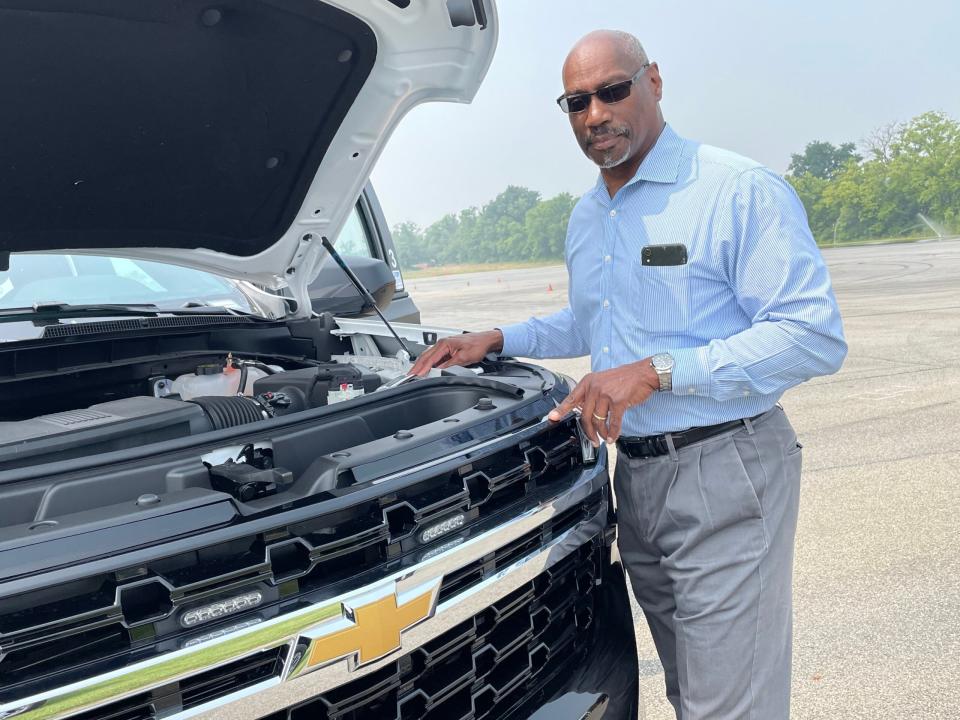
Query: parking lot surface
{"points": [[877, 575]]}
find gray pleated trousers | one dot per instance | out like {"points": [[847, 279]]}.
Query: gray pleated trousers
{"points": [[706, 535]]}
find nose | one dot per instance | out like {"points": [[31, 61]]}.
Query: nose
{"points": [[597, 113]]}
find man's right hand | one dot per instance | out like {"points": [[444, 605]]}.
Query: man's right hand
{"points": [[466, 349]]}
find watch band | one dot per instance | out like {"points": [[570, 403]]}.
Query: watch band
{"points": [[665, 375], [666, 380]]}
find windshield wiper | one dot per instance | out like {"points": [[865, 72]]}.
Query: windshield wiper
{"points": [[195, 307], [58, 310]]}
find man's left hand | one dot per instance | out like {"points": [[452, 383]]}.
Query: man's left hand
{"points": [[603, 397]]}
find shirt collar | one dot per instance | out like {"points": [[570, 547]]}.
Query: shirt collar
{"points": [[661, 165]]}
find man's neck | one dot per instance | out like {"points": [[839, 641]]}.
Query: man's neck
{"points": [[616, 177]]}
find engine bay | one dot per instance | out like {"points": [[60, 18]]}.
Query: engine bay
{"points": [[219, 393], [269, 414]]}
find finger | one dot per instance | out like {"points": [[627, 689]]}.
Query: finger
{"points": [[601, 413], [422, 366], [587, 419], [430, 358], [615, 423], [423, 361], [566, 407], [453, 358]]}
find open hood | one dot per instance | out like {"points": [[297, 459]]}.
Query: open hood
{"points": [[224, 136]]}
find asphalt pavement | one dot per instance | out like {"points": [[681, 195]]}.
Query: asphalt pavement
{"points": [[877, 575]]}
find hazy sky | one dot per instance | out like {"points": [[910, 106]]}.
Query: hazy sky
{"points": [[760, 77]]}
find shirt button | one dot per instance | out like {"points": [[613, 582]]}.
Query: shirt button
{"points": [[613, 213], [746, 392], [606, 303], [692, 391], [606, 349], [607, 258]]}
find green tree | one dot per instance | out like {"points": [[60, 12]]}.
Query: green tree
{"points": [[822, 159], [926, 165], [408, 238], [811, 190], [545, 227], [913, 168], [500, 227], [438, 240]]}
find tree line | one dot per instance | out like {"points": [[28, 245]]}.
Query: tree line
{"points": [[517, 225], [900, 173], [907, 175]]}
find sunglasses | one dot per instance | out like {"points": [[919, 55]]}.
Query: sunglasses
{"points": [[608, 94]]}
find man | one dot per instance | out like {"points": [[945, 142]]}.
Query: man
{"points": [[700, 295]]}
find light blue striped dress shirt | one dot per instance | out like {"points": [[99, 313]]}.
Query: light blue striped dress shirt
{"points": [[751, 314]]}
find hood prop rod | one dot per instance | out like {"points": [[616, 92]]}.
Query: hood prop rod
{"points": [[328, 246]]}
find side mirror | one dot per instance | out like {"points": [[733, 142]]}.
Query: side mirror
{"points": [[331, 291]]}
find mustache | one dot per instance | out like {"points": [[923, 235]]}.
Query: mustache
{"points": [[599, 133]]}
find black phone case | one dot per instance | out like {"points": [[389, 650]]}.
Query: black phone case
{"points": [[663, 255]]}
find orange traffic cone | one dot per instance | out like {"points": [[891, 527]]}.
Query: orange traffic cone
{"points": [[549, 287]]}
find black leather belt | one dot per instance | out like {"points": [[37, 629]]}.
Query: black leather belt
{"points": [[655, 445]]}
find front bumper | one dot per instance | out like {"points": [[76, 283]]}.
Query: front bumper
{"points": [[548, 629]]}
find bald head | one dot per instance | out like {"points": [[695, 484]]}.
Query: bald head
{"points": [[615, 42]]}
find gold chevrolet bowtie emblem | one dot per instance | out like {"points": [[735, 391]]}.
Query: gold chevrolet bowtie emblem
{"points": [[375, 628]]}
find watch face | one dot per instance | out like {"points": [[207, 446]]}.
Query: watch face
{"points": [[662, 361]]}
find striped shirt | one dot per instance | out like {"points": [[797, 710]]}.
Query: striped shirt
{"points": [[751, 314]]}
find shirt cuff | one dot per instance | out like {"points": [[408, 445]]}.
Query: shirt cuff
{"points": [[516, 340], [691, 371]]}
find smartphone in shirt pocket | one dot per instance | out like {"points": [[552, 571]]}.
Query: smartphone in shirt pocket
{"points": [[661, 277], [664, 255]]}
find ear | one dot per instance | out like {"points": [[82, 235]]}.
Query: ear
{"points": [[656, 82]]}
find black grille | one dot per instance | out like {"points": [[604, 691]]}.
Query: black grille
{"points": [[475, 572], [486, 667], [230, 678], [82, 629], [138, 707], [193, 691]]}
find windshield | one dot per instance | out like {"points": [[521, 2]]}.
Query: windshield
{"points": [[90, 279]]}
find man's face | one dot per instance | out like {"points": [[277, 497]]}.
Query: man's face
{"points": [[612, 134]]}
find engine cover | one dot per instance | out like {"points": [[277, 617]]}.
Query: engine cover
{"points": [[101, 428]]}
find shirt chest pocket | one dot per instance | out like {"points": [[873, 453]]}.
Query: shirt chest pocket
{"points": [[661, 298]]}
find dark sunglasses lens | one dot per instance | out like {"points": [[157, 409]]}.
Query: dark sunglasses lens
{"points": [[575, 103], [614, 93]]}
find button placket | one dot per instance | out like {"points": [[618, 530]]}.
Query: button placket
{"points": [[606, 273]]}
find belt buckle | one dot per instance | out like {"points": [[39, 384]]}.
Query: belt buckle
{"points": [[648, 448], [642, 448]]}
